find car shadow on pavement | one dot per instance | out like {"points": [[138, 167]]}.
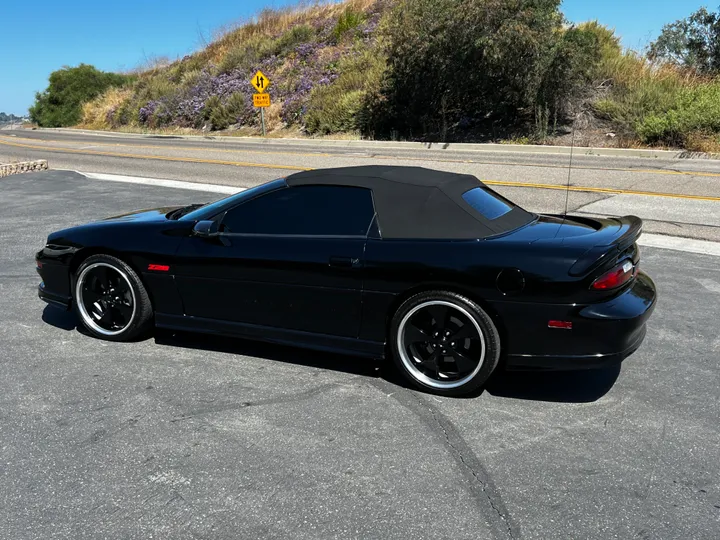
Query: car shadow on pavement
{"points": [[64, 320], [557, 386], [270, 351], [561, 387]]}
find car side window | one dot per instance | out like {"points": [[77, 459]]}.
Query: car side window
{"points": [[304, 210]]}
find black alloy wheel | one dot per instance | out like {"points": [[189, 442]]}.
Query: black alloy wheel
{"points": [[111, 300], [444, 342]]}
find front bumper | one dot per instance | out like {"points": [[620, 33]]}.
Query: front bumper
{"points": [[57, 300], [603, 334], [55, 286]]}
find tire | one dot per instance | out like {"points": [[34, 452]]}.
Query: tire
{"points": [[444, 343], [110, 300]]}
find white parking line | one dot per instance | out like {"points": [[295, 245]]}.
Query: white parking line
{"points": [[160, 182], [675, 243], [709, 284]]}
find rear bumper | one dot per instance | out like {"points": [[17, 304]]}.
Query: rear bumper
{"points": [[574, 362], [602, 335]]}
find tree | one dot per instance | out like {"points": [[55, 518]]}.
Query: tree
{"points": [[692, 42], [454, 63], [60, 104]]}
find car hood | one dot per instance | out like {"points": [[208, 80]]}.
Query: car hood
{"points": [[153, 214], [150, 219]]}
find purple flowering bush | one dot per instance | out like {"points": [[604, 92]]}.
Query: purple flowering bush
{"points": [[299, 62]]}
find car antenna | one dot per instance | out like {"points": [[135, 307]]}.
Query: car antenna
{"points": [[567, 187]]}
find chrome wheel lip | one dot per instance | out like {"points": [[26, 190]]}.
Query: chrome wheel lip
{"points": [[87, 319], [412, 368]]}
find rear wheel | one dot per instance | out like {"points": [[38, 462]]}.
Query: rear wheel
{"points": [[110, 299], [444, 342]]}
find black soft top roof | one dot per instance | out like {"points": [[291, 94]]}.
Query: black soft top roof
{"points": [[414, 202]]}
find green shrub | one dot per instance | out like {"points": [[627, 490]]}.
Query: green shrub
{"points": [[222, 115], [348, 21], [61, 103], [455, 59], [157, 87], [126, 114], [190, 77], [339, 112], [342, 106], [608, 48], [697, 109], [301, 33], [641, 95], [234, 59], [571, 67], [253, 50]]}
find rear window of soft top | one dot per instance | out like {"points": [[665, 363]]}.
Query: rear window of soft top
{"points": [[487, 203]]}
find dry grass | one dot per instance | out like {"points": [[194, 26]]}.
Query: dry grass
{"points": [[641, 94], [273, 121], [630, 70], [231, 47], [151, 64], [702, 142], [274, 22], [96, 114]]}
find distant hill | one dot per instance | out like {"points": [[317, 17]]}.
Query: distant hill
{"points": [[447, 70], [5, 118], [302, 50]]}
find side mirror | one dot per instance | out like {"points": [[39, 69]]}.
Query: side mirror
{"points": [[206, 229]]}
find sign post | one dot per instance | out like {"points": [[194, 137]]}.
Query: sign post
{"points": [[261, 100]]}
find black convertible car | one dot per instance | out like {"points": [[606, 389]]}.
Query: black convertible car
{"points": [[431, 268]]}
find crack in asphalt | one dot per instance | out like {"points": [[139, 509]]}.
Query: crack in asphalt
{"points": [[480, 485], [300, 396], [502, 513]]}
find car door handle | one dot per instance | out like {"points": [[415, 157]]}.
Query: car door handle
{"points": [[342, 262]]}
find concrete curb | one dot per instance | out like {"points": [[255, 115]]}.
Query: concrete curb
{"points": [[6, 169], [419, 146]]}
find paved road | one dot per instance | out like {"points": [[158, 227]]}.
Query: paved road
{"points": [[188, 437], [674, 196]]}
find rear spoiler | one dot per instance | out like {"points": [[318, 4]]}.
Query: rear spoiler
{"points": [[607, 248]]}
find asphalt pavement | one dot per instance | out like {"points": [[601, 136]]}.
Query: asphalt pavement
{"points": [[673, 195], [184, 436]]}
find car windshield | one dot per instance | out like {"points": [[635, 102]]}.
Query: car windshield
{"points": [[209, 210]]}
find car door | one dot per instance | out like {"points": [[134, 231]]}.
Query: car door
{"points": [[291, 258]]}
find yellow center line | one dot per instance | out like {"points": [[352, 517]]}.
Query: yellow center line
{"points": [[170, 147], [156, 157], [585, 189], [385, 157], [612, 191], [380, 157]]}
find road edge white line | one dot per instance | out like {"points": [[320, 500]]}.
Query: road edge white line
{"points": [[675, 243], [162, 182]]}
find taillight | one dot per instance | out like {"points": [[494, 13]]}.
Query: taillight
{"points": [[615, 278]]}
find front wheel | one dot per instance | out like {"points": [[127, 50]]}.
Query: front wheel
{"points": [[110, 299], [444, 342]]}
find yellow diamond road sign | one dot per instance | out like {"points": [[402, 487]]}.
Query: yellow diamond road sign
{"points": [[260, 82]]}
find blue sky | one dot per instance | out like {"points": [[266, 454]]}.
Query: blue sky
{"points": [[48, 34]]}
